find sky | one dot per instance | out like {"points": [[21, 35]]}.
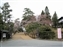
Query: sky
{"points": [[35, 5]]}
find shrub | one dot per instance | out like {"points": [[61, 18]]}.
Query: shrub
{"points": [[20, 30], [45, 32], [32, 26], [31, 29]]}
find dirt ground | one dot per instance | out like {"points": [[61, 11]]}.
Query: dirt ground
{"points": [[21, 35]]}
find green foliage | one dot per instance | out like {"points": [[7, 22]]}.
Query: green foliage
{"points": [[20, 30], [6, 12], [1, 21], [11, 25], [5, 17], [27, 14], [47, 10], [55, 19], [32, 26], [26, 17], [45, 32], [1, 17], [42, 13]]}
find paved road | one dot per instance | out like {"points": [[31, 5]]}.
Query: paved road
{"points": [[31, 43]]}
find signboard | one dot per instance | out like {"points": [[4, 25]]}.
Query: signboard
{"points": [[59, 33], [4, 35]]}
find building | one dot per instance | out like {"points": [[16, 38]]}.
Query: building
{"points": [[60, 22]]}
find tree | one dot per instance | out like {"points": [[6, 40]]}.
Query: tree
{"points": [[55, 19], [6, 14], [46, 32], [1, 21], [42, 13], [47, 12], [32, 28], [39, 30], [11, 27], [27, 13], [1, 18]]}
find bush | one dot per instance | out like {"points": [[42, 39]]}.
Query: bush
{"points": [[31, 29], [32, 26], [45, 32], [20, 29]]}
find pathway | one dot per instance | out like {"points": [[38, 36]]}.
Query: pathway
{"points": [[21, 35]]}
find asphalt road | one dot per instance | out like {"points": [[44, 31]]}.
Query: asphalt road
{"points": [[31, 43]]}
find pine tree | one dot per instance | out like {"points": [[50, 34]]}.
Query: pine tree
{"points": [[27, 13], [6, 12], [42, 13], [47, 10], [55, 19], [1, 21], [6, 15]]}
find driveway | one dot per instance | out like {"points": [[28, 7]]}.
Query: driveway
{"points": [[31, 43]]}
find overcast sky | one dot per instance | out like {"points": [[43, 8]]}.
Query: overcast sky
{"points": [[35, 5]]}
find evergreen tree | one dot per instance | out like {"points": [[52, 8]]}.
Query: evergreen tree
{"points": [[47, 12], [55, 19], [27, 13], [6, 14], [1, 21], [42, 13], [6, 11]]}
